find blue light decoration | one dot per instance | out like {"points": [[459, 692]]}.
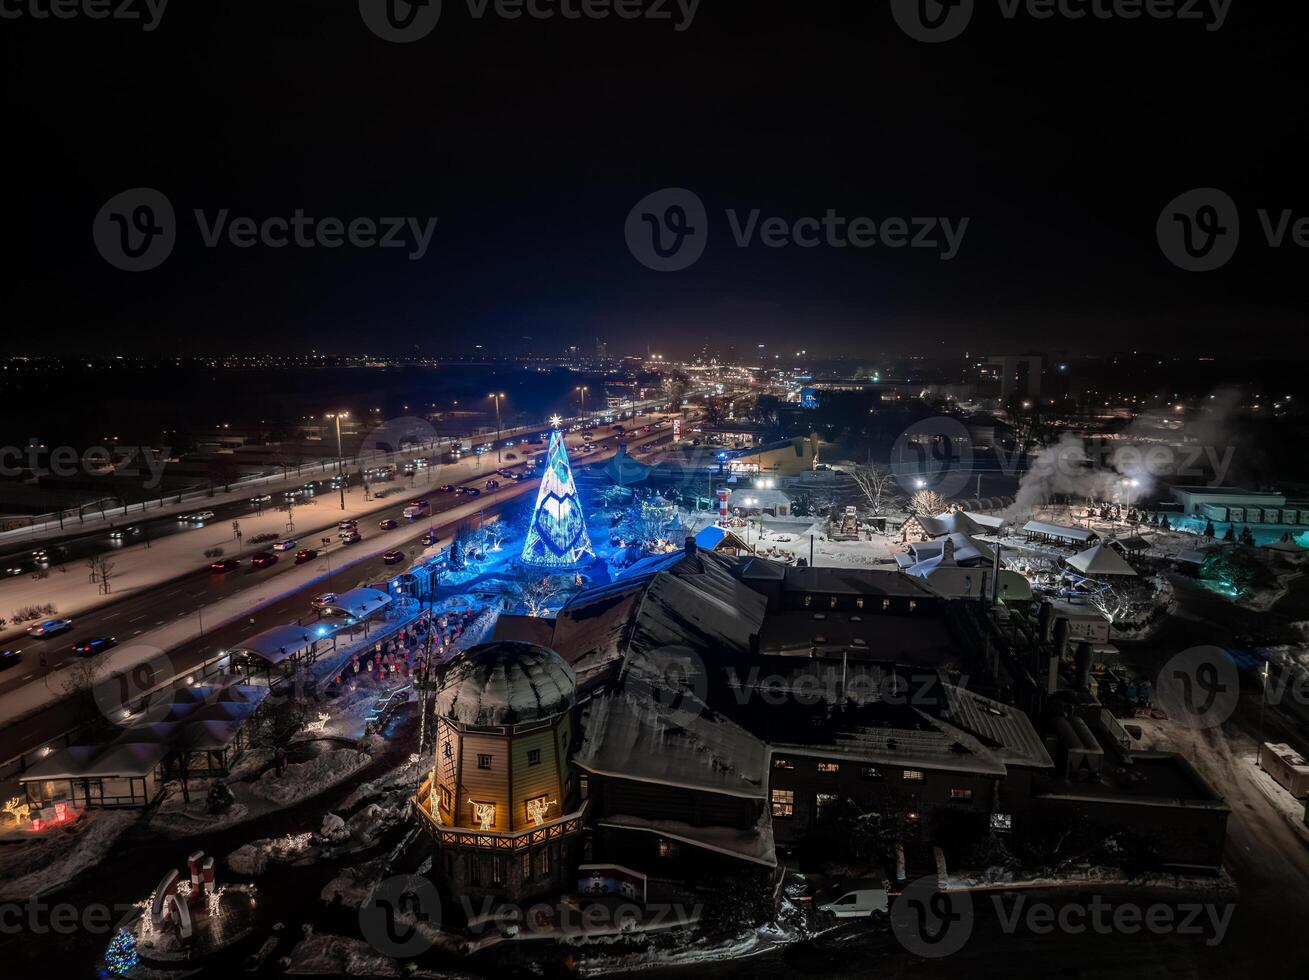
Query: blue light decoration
{"points": [[556, 534]]}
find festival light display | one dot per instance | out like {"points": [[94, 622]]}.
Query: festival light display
{"points": [[556, 534]]}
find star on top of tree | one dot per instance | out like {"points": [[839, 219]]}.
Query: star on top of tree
{"points": [[556, 420]]}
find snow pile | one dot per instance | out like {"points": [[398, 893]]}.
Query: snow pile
{"points": [[254, 858], [333, 828], [45, 862], [302, 780]]}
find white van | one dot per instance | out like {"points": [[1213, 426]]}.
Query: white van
{"points": [[858, 899], [413, 513]]}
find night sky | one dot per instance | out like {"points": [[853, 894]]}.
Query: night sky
{"points": [[531, 140]]}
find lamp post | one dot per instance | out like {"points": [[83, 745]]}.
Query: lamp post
{"points": [[1263, 700], [497, 398], [582, 389], [340, 461]]}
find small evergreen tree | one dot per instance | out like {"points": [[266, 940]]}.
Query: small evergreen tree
{"points": [[1230, 533], [1209, 529]]}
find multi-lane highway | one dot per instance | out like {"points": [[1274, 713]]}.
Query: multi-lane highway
{"points": [[187, 596]]}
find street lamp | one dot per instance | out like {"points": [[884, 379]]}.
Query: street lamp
{"points": [[340, 460], [583, 390], [498, 398]]}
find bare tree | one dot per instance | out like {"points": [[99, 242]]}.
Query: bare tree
{"points": [[102, 569], [80, 675], [1120, 601], [873, 480], [536, 592], [927, 503]]}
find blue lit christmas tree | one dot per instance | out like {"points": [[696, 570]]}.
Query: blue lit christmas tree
{"points": [[556, 535]]}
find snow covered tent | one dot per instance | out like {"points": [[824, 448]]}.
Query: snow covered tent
{"points": [[967, 550], [279, 651], [1059, 534], [1101, 561], [624, 471], [957, 522], [360, 603]]}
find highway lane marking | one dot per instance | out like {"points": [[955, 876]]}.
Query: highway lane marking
{"points": [[137, 633], [137, 618]]}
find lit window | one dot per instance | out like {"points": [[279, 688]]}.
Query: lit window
{"points": [[886, 605], [780, 763], [533, 757], [826, 804], [913, 776], [446, 751], [527, 866], [961, 794], [859, 603], [543, 862], [829, 767], [668, 850], [584, 786], [483, 761], [783, 802], [445, 797], [538, 808]]}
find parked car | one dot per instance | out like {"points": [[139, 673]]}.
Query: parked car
{"points": [[49, 627], [393, 557], [324, 600], [857, 899], [263, 559], [351, 537], [98, 644], [304, 555], [286, 545], [390, 524], [10, 658], [225, 565]]}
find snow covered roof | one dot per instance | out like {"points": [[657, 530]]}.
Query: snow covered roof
{"points": [[1060, 531], [1192, 557], [967, 550], [498, 684], [277, 644], [677, 599], [523, 629], [713, 537], [952, 523], [1101, 560], [759, 499], [754, 844], [999, 726], [88, 761], [361, 602], [866, 582], [955, 581], [674, 741]]}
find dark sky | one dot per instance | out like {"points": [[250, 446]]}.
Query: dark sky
{"points": [[531, 140]]}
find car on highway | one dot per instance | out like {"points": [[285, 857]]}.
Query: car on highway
{"points": [[472, 491], [393, 557], [225, 565], [97, 644], [10, 658], [349, 525], [323, 601], [493, 484], [588, 448], [119, 533], [49, 627], [304, 555], [510, 456], [286, 545], [351, 537], [430, 538], [390, 524], [262, 559], [445, 488], [261, 499], [201, 516], [420, 502]]}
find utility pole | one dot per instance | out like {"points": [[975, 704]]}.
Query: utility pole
{"points": [[497, 398], [340, 459]]}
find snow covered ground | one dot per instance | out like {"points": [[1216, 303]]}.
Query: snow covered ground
{"points": [[39, 863]]}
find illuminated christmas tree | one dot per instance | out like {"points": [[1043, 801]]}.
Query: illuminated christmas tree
{"points": [[121, 955], [556, 535]]}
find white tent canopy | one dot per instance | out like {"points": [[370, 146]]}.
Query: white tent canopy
{"points": [[1100, 561]]}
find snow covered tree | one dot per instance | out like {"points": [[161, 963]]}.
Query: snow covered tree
{"points": [[873, 481], [539, 594], [927, 503]]}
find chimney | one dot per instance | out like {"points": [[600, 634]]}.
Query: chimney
{"points": [[947, 551]]}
